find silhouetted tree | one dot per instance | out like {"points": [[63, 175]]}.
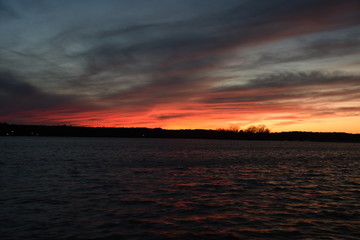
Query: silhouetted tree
{"points": [[257, 129], [234, 128]]}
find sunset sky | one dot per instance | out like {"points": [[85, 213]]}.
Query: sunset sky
{"points": [[189, 64]]}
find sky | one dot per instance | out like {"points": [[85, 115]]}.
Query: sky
{"points": [[189, 64]]}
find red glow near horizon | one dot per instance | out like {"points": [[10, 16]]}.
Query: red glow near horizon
{"points": [[277, 118], [291, 69]]}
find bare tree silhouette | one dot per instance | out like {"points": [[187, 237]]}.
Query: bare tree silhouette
{"points": [[257, 129]]}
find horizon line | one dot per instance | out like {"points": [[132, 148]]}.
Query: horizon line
{"points": [[175, 129]]}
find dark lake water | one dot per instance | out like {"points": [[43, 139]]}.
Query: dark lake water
{"points": [[107, 188]]}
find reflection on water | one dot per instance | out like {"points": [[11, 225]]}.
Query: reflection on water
{"points": [[93, 188]]}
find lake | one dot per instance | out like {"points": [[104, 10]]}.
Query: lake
{"points": [[118, 188]]}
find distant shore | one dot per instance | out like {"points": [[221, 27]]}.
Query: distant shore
{"points": [[72, 131]]}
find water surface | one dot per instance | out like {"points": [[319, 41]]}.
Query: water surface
{"points": [[108, 188]]}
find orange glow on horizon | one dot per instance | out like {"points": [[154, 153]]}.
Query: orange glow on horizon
{"points": [[285, 69], [286, 117], [345, 124], [277, 120]]}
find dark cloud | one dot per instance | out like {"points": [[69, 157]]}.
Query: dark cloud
{"points": [[171, 116], [6, 11], [150, 58], [176, 60], [20, 97], [289, 86], [295, 79], [158, 49], [10, 85], [310, 49]]}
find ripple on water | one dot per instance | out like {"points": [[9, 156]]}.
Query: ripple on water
{"points": [[80, 188]]}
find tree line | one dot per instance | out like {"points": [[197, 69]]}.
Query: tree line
{"points": [[260, 132]]}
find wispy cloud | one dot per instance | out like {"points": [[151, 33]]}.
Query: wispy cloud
{"points": [[22, 100], [107, 59]]}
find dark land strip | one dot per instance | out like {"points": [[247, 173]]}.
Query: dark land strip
{"points": [[73, 131]]}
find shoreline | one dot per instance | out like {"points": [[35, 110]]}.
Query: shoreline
{"points": [[72, 131]]}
